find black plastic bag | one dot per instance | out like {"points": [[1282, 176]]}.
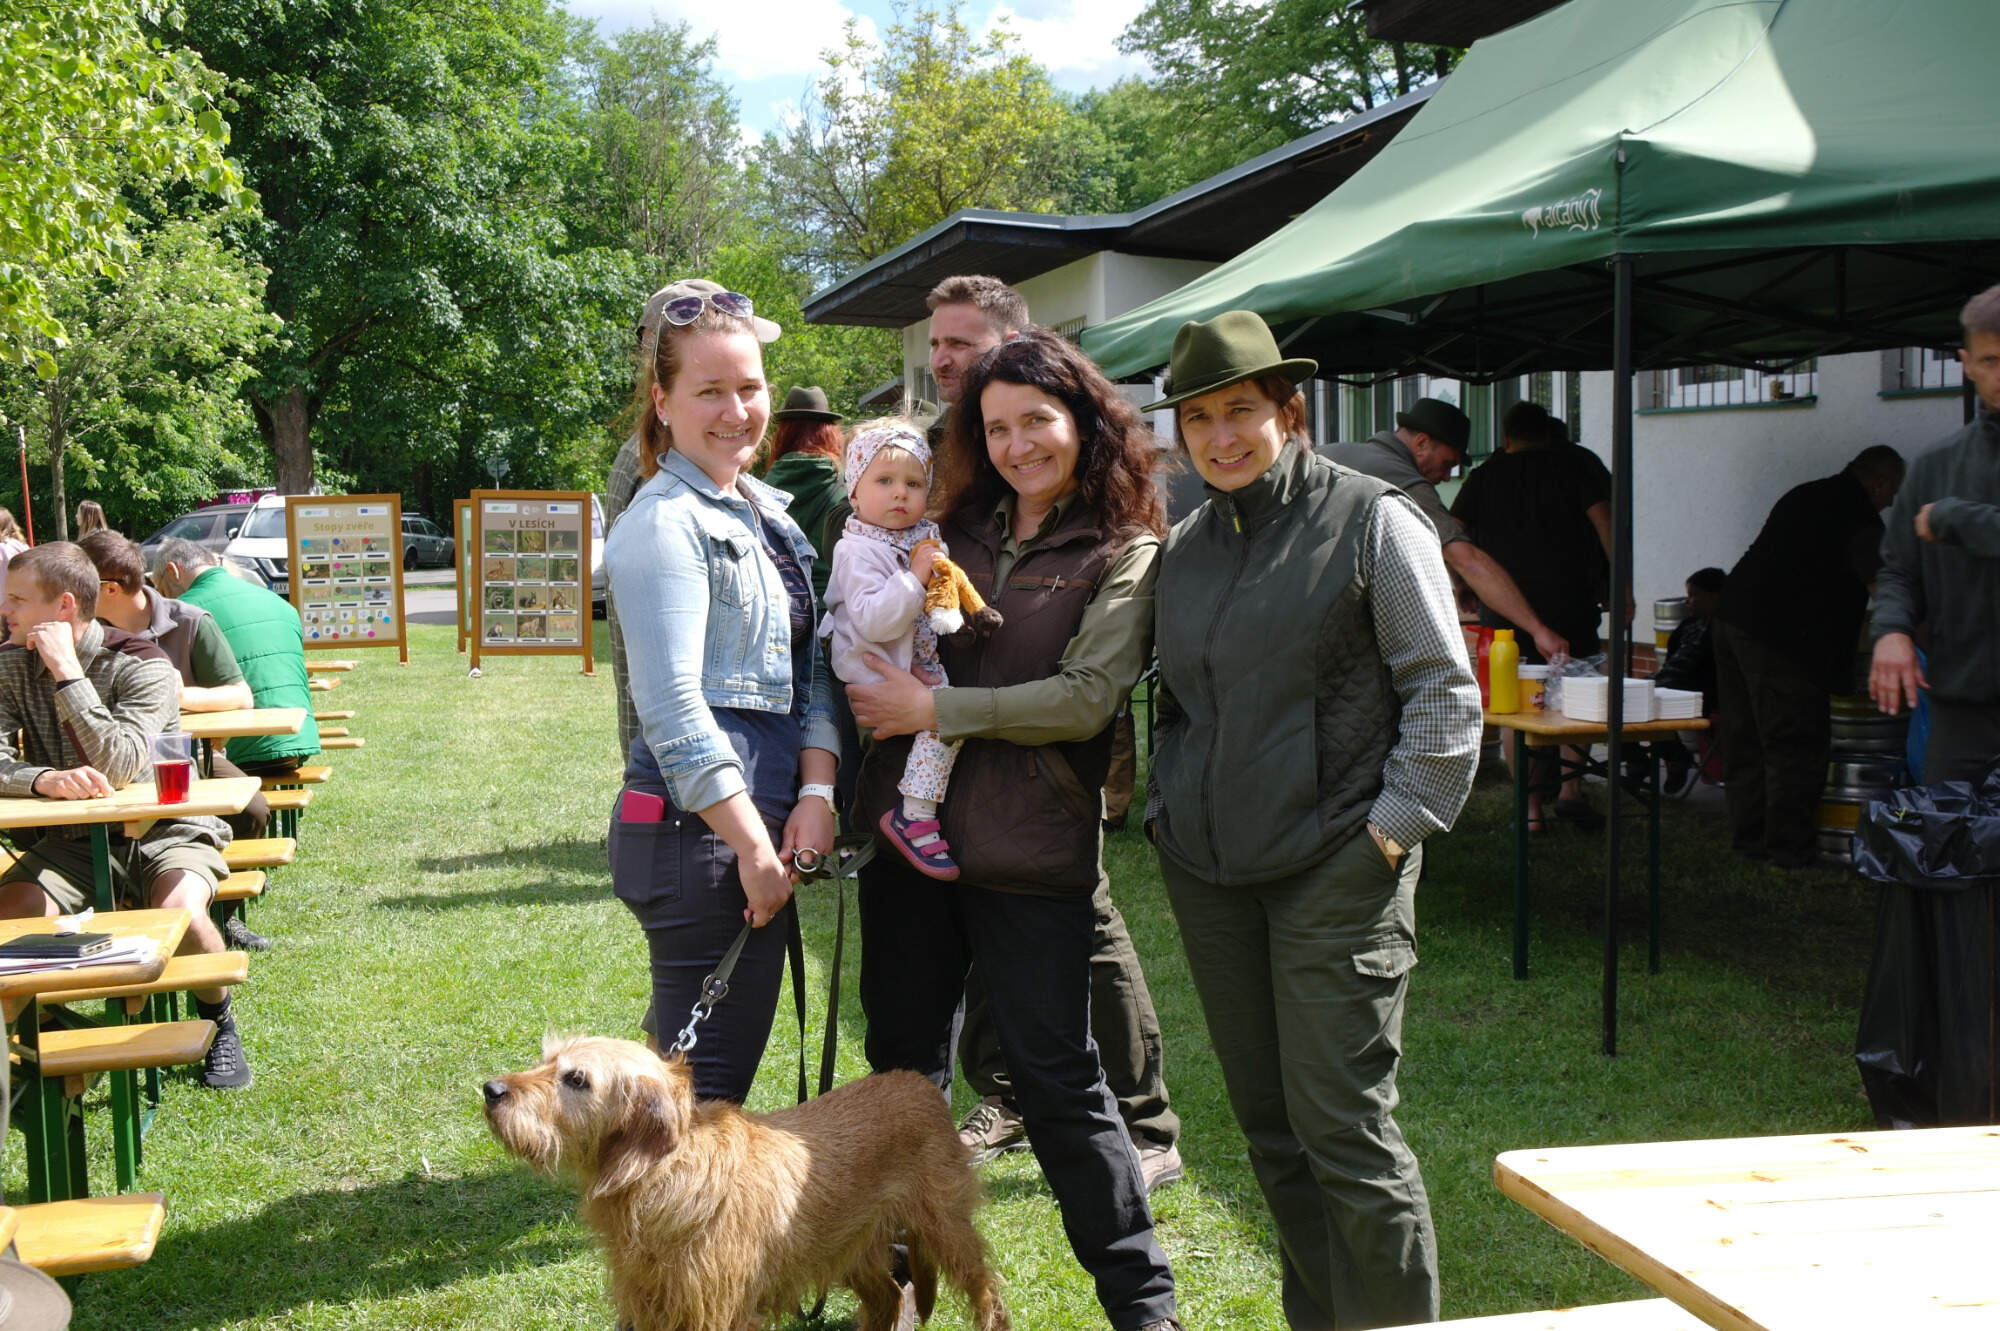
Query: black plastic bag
{"points": [[1930, 1019], [1939, 838]]}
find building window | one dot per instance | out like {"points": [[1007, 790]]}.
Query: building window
{"points": [[1693, 387], [1921, 370]]}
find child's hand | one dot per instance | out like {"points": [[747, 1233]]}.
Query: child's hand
{"points": [[922, 561]]}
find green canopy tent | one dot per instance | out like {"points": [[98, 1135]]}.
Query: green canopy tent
{"points": [[1616, 186]]}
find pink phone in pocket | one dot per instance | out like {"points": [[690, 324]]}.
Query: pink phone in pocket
{"points": [[636, 806]]}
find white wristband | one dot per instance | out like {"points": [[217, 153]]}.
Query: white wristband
{"points": [[825, 792]]}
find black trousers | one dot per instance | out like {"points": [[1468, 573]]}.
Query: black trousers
{"points": [[1964, 742], [919, 937], [1776, 737], [1122, 1022], [679, 880]]}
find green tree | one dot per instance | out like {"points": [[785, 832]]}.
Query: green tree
{"points": [[663, 177], [417, 165], [896, 137], [87, 101], [1242, 77], [143, 396]]}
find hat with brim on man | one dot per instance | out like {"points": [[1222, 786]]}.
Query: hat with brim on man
{"points": [[1440, 420], [1233, 346], [29, 1299], [807, 403], [649, 318]]}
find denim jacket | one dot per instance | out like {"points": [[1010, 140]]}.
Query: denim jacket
{"points": [[707, 624]]}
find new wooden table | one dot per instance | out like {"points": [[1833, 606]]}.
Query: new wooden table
{"points": [[1888, 1231], [135, 806], [207, 727], [52, 1174]]}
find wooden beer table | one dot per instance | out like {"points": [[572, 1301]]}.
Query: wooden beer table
{"points": [[1890, 1231], [1544, 730], [136, 806], [52, 1174], [207, 727]]}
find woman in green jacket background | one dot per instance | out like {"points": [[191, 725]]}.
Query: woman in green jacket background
{"points": [[805, 464], [1317, 720]]}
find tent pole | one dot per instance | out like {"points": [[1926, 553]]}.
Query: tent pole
{"points": [[1621, 585]]}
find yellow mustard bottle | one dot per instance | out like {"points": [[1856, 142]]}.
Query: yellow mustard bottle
{"points": [[1503, 672]]}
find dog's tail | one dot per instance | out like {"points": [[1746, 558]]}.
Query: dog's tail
{"points": [[923, 1277]]}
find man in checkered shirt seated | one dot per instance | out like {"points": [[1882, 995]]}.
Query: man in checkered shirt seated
{"points": [[86, 701]]}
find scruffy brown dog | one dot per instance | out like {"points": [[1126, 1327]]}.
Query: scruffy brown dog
{"points": [[715, 1220]]}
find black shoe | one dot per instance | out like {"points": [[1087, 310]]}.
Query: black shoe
{"points": [[225, 1068], [1580, 813], [239, 934]]}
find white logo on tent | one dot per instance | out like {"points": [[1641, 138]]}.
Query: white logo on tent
{"points": [[1577, 214]]}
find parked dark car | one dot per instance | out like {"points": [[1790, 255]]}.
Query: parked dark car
{"points": [[425, 544]]}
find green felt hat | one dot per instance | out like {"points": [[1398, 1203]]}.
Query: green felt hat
{"points": [[1233, 346], [806, 404]]}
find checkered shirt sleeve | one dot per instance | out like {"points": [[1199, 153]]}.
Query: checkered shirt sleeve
{"points": [[1428, 774]]}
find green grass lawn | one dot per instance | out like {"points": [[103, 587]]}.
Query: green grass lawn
{"points": [[451, 904]]}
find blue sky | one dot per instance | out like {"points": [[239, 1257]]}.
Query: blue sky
{"points": [[768, 50]]}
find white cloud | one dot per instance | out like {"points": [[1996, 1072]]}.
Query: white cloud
{"points": [[756, 40], [1075, 40]]}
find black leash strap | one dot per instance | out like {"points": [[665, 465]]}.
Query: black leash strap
{"points": [[712, 991]]}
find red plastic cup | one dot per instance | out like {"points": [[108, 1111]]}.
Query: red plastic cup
{"points": [[173, 768]]}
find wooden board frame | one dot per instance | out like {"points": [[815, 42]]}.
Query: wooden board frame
{"points": [[461, 535], [587, 633], [295, 566]]}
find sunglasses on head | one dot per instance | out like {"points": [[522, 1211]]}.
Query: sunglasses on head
{"points": [[684, 310]]}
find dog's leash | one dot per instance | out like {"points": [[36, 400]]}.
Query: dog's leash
{"points": [[844, 862]]}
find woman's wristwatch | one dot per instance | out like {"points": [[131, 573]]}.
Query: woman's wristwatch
{"points": [[1390, 846], [818, 788]]}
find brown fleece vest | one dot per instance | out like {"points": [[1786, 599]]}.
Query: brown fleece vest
{"points": [[1018, 818]]}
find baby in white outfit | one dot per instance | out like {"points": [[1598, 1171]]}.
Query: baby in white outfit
{"points": [[875, 603]]}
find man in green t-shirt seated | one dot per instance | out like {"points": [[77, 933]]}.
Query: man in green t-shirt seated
{"points": [[211, 680]]}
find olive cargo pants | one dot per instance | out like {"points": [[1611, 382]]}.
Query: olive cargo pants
{"points": [[1302, 983]]}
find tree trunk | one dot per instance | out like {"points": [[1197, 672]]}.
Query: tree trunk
{"points": [[57, 492], [58, 431], [286, 424]]}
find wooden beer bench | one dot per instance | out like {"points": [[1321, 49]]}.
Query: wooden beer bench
{"points": [[75, 1238]]}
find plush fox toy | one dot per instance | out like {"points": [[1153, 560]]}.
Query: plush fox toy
{"points": [[952, 601]]}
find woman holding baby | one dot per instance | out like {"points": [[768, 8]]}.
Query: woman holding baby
{"points": [[1046, 499]]}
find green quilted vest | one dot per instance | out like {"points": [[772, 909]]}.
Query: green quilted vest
{"points": [[264, 631]]}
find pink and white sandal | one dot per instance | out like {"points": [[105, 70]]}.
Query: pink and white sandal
{"points": [[932, 859]]}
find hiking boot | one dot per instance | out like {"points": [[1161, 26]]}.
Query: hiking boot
{"points": [[1164, 1324], [1159, 1164], [238, 934], [994, 1127], [225, 1068]]}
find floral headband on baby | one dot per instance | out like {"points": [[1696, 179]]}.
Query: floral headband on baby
{"points": [[872, 439]]}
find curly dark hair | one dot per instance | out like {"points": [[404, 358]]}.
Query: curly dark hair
{"points": [[1115, 453]]}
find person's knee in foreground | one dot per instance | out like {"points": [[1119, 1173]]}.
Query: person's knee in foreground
{"points": [[1310, 652], [86, 701], [1049, 502], [733, 767]]}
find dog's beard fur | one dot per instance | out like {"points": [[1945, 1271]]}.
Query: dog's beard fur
{"points": [[712, 1218]]}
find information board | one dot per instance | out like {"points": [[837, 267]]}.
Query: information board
{"points": [[531, 595], [345, 553], [468, 551]]}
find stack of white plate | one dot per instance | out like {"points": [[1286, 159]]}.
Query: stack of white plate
{"points": [[1587, 698], [1676, 704]]}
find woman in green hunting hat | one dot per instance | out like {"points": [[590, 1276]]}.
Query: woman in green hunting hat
{"points": [[805, 464], [1309, 652]]}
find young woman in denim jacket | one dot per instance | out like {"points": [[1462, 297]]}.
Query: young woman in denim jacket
{"points": [[715, 603]]}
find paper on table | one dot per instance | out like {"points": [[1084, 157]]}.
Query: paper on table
{"points": [[124, 952]]}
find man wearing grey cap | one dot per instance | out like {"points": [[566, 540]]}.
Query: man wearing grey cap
{"points": [[1429, 440]]}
